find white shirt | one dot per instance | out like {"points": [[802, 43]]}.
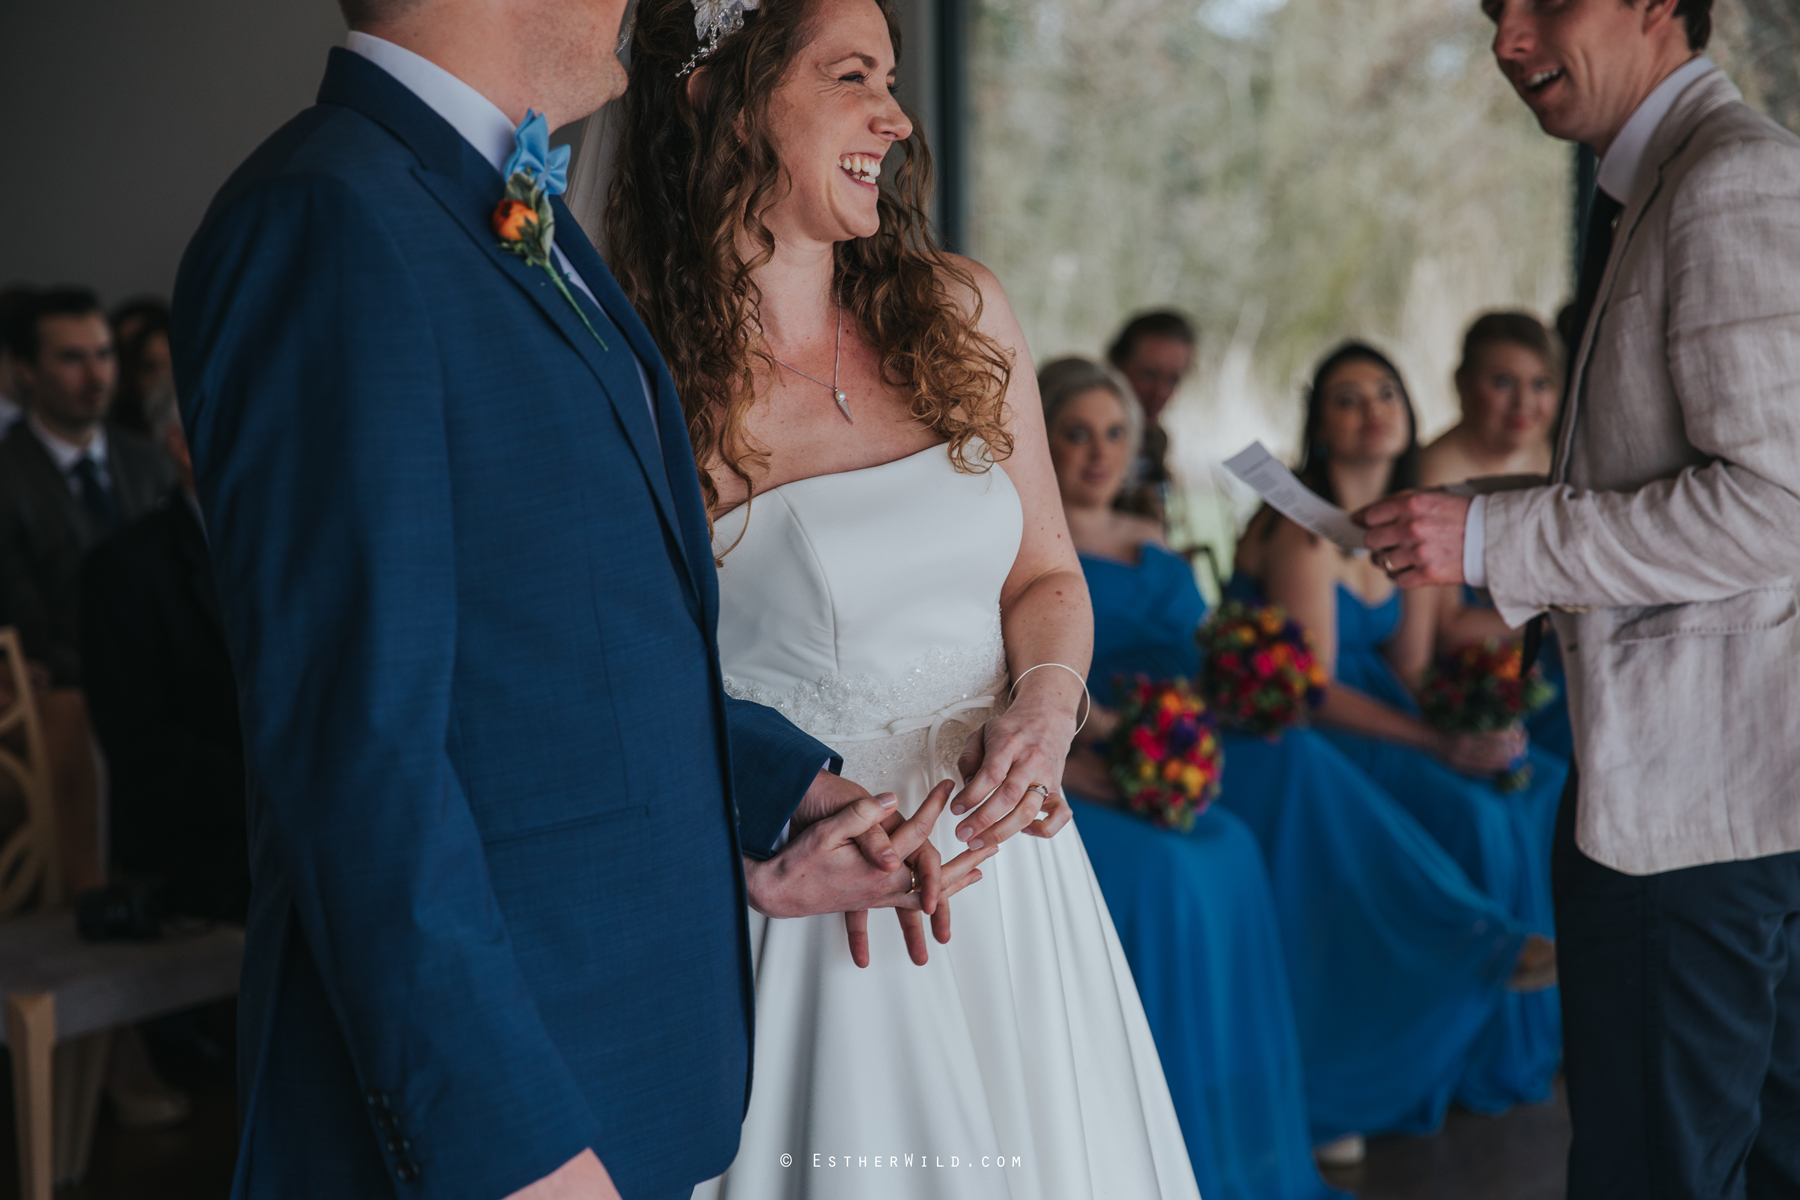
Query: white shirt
{"points": [[481, 124], [66, 455], [1618, 178], [9, 412]]}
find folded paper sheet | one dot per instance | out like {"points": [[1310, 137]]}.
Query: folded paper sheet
{"points": [[1293, 499]]}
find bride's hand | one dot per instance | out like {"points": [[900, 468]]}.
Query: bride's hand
{"points": [[929, 883], [1023, 747]]}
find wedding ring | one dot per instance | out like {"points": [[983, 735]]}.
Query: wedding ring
{"points": [[1040, 789], [915, 882]]}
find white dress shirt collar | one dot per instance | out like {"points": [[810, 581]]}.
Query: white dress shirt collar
{"points": [[470, 113], [66, 454], [1625, 157]]}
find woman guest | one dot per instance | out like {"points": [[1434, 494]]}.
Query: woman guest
{"points": [[1509, 383], [1397, 963], [1155, 353], [1359, 445]]}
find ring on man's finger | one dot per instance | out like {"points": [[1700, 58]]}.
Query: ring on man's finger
{"points": [[1040, 789], [915, 880]]}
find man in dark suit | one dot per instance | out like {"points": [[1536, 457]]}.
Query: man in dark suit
{"points": [[497, 794], [66, 481], [161, 696]]}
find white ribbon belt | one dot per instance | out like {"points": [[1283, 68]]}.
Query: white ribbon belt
{"points": [[932, 723]]}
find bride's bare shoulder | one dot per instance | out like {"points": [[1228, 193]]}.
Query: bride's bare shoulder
{"points": [[977, 290]]}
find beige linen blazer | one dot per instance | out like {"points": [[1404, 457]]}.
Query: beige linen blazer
{"points": [[1668, 544]]}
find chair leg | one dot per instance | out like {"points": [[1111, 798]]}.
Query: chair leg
{"points": [[31, 1035], [80, 1071]]}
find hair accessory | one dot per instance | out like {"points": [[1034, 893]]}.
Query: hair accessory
{"points": [[1085, 694], [714, 20]]}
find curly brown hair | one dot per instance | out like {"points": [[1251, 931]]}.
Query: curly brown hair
{"points": [[692, 172]]}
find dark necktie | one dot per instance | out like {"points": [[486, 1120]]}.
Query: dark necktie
{"points": [[1603, 222], [95, 496]]}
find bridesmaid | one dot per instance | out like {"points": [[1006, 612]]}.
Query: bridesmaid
{"points": [[1193, 910], [1360, 444], [1509, 384], [1397, 962]]}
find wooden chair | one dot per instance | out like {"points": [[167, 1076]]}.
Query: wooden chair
{"points": [[63, 996]]}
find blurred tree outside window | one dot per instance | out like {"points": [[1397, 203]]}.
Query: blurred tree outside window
{"points": [[1289, 172]]}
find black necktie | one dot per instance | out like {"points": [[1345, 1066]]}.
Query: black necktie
{"points": [[95, 496], [1603, 222]]}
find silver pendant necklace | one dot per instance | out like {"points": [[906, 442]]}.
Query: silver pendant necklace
{"points": [[843, 401]]}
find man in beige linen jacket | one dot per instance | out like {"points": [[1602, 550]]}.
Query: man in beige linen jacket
{"points": [[1667, 547]]}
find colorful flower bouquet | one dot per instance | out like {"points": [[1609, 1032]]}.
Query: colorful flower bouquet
{"points": [[1479, 689], [1261, 675], [1165, 754]]}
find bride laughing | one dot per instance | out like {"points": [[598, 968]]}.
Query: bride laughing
{"points": [[898, 580]]}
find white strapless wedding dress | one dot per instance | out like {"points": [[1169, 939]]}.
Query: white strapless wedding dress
{"points": [[1017, 1063]]}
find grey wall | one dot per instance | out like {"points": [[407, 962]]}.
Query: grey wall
{"points": [[120, 118]]}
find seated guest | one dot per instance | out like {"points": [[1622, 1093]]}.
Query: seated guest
{"points": [[1192, 910], [11, 299], [1395, 960], [1509, 382], [65, 481], [141, 335], [1359, 445], [1154, 352], [161, 696]]}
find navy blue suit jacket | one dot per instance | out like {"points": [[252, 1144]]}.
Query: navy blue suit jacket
{"points": [[498, 914]]}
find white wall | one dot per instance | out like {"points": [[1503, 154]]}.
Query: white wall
{"points": [[119, 119]]}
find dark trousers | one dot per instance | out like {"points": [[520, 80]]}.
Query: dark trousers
{"points": [[1681, 1025]]}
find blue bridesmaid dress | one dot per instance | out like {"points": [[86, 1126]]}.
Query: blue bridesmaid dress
{"points": [[1397, 963], [1502, 840], [1197, 923]]}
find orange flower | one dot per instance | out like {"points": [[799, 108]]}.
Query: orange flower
{"points": [[515, 221]]}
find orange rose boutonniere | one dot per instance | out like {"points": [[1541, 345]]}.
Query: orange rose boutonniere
{"points": [[523, 219]]}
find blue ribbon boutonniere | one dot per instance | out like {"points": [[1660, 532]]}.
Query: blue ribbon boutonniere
{"points": [[523, 218]]}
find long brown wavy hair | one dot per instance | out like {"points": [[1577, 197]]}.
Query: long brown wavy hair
{"points": [[691, 173]]}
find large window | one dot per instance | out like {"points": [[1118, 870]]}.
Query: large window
{"points": [[1290, 172]]}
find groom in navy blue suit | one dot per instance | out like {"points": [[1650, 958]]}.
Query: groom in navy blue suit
{"points": [[497, 795]]}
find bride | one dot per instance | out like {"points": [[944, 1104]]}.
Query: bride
{"points": [[895, 571]]}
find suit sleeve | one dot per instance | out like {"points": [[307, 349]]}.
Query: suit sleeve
{"points": [[772, 765], [311, 390], [1730, 525]]}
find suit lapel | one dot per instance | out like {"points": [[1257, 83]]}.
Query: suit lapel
{"points": [[468, 187], [611, 368], [53, 486], [681, 474], [1697, 100]]}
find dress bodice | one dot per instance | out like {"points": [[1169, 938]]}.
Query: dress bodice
{"points": [[856, 599], [1145, 616]]}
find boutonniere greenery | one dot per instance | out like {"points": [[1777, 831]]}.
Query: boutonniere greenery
{"points": [[523, 219]]}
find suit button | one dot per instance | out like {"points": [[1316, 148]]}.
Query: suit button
{"points": [[398, 1146], [386, 1120], [377, 1101], [407, 1170]]}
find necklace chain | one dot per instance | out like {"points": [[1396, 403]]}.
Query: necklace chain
{"points": [[837, 393]]}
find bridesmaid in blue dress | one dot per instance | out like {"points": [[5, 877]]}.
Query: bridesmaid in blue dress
{"points": [[1397, 961], [1195, 917], [1508, 384], [1359, 445]]}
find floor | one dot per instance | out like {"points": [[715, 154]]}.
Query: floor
{"points": [[1518, 1156]]}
